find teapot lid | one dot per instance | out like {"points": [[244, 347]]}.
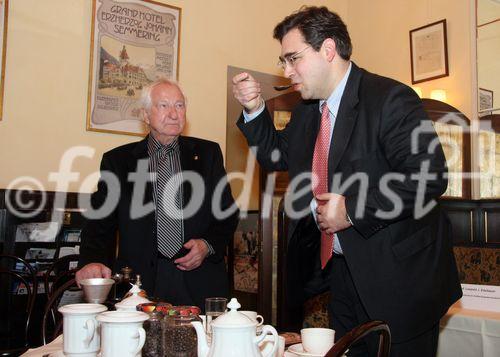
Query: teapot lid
{"points": [[233, 318], [133, 300]]}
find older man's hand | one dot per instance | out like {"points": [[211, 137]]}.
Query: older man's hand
{"points": [[198, 250], [332, 213], [92, 270]]}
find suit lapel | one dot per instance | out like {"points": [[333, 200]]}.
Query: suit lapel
{"points": [[140, 152], [311, 128], [190, 161], [345, 121]]}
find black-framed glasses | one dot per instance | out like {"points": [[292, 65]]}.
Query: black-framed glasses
{"points": [[290, 59]]}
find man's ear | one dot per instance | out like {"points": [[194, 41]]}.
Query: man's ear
{"points": [[329, 48]]}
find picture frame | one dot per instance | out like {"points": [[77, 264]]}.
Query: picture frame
{"points": [[72, 235], [133, 43], [4, 16], [429, 52], [485, 101]]}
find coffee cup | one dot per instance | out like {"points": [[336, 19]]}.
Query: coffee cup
{"points": [[254, 317], [80, 329], [122, 334], [317, 340]]}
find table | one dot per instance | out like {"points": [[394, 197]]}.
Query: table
{"points": [[469, 333], [54, 349]]}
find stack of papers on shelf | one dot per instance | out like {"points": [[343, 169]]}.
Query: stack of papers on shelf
{"points": [[37, 232], [40, 253]]}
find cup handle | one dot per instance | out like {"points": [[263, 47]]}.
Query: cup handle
{"points": [[265, 330], [260, 320], [142, 338], [90, 327]]}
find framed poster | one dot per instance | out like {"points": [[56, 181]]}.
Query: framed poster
{"points": [[4, 10], [429, 52], [133, 42], [485, 101]]}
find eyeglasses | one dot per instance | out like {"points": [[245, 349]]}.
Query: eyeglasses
{"points": [[290, 59]]}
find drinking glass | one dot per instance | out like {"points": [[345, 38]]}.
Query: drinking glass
{"points": [[214, 307]]}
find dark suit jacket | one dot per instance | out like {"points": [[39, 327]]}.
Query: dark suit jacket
{"points": [[403, 267], [137, 247]]}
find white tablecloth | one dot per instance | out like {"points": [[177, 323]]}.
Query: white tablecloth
{"points": [[53, 349], [469, 333]]}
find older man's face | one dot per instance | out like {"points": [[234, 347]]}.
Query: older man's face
{"points": [[167, 116]]}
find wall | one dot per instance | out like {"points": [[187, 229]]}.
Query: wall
{"points": [[48, 54], [488, 48], [380, 34], [46, 77]]}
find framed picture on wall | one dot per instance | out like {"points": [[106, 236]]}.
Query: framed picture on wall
{"points": [[485, 101], [4, 10], [133, 43], [429, 52]]}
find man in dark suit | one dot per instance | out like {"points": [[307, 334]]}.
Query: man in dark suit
{"points": [[365, 167], [168, 198]]}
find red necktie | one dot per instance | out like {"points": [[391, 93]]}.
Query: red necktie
{"points": [[320, 175]]}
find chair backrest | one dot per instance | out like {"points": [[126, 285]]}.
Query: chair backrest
{"points": [[59, 272], [359, 332], [52, 319], [26, 301], [13, 343]]}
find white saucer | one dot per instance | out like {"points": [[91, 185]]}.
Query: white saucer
{"points": [[298, 350]]}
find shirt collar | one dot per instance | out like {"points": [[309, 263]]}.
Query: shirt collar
{"points": [[154, 146], [333, 100]]}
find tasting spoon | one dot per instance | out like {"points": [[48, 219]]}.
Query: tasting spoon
{"points": [[281, 88]]}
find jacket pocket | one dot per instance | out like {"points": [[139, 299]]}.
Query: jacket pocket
{"points": [[414, 243]]}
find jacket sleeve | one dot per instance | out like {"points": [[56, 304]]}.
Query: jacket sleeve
{"points": [[271, 145], [416, 160]]}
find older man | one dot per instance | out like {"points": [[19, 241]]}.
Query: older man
{"points": [[167, 192]]}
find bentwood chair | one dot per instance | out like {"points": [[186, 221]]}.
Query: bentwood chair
{"points": [[359, 332], [18, 289], [59, 272], [52, 318], [14, 335]]}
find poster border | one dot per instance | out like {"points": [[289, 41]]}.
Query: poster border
{"points": [[4, 55]]}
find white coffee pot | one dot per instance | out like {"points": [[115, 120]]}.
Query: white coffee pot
{"points": [[234, 334]]}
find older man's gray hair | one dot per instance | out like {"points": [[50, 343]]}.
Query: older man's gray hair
{"points": [[147, 102]]}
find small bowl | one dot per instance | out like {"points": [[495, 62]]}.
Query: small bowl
{"points": [[96, 290]]}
